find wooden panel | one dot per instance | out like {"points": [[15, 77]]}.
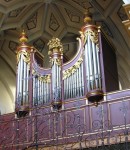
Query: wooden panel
{"points": [[75, 121], [41, 123], [118, 112], [6, 132], [96, 117], [22, 130]]}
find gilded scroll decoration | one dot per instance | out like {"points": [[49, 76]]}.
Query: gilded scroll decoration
{"points": [[56, 61], [25, 54], [93, 35], [71, 70], [43, 78]]}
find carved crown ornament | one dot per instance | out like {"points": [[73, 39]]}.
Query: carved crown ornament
{"points": [[55, 46]]}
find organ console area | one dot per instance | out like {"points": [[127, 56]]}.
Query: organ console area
{"points": [[84, 76]]}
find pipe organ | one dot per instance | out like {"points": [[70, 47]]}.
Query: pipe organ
{"points": [[82, 76]]}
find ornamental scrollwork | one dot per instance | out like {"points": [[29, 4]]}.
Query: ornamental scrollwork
{"points": [[57, 61], [43, 78], [72, 70], [93, 35], [25, 56]]}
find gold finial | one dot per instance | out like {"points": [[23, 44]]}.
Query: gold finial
{"points": [[23, 38], [88, 17], [56, 45]]}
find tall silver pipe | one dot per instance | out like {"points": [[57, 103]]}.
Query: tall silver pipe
{"points": [[53, 80], [82, 79], [64, 83], [75, 85], [90, 62], [27, 96], [38, 90], [47, 92], [69, 86], [76, 73], [79, 81], [98, 66], [34, 91], [58, 82], [18, 77], [45, 98], [72, 85], [24, 81], [41, 92], [21, 78], [44, 92], [66, 88], [57, 76], [95, 65], [87, 66]]}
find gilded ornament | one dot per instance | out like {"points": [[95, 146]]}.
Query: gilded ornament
{"points": [[25, 54], [23, 38], [93, 35], [43, 78], [55, 43], [67, 73], [55, 46]]}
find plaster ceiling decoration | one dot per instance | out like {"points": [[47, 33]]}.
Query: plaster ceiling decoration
{"points": [[43, 19]]}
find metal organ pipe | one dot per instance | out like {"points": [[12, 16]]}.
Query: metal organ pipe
{"points": [[34, 86], [82, 79], [98, 67], [27, 90], [18, 79], [90, 63], [95, 65], [24, 82], [87, 68]]}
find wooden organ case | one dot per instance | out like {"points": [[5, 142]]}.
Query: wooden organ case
{"points": [[83, 76]]}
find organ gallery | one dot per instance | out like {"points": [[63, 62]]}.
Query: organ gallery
{"points": [[70, 105]]}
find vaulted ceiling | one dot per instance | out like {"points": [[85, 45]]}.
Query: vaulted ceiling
{"points": [[43, 19]]}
